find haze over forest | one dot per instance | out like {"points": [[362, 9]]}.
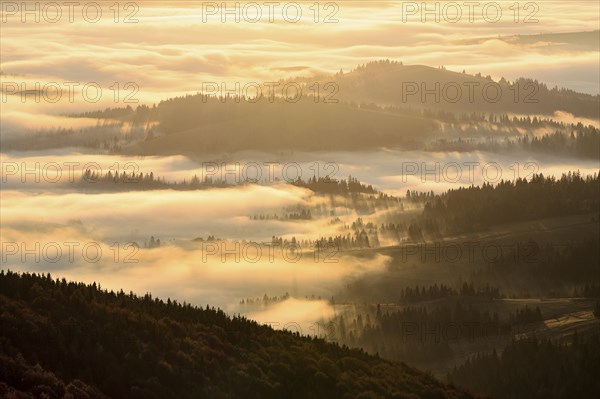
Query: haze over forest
{"points": [[362, 200]]}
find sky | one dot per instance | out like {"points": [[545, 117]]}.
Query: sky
{"points": [[169, 48], [84, 58]]}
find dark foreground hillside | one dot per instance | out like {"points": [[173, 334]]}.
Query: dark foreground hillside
{"points": [[540, 368], [69, 340]]}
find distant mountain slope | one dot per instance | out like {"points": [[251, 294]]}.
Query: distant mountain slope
{"points": [[403, 94], [392, 83], [581, 41], [68, 340], [195, 125], [380, 104]]}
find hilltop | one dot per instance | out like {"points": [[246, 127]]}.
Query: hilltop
{"points": [[392, 83]]}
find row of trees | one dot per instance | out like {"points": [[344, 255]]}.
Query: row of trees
{"points": [[418, 294], [583, 143], [328, 185], [141, 181]]}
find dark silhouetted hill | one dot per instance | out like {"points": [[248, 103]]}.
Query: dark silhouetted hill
{"points": [[197, 124], [60, 339]]}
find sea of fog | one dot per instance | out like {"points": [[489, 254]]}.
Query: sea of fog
{"points": [[48, 225]]}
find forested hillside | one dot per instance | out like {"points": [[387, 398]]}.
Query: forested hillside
{"points": [[393, 83], [542, 369], [473, 208], [201, 124], [61, 339]]}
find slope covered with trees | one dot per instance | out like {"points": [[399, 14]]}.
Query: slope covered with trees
{"points": [[420, 86], [541, 368], [70, 340], [475, 208], [200, 124]]}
